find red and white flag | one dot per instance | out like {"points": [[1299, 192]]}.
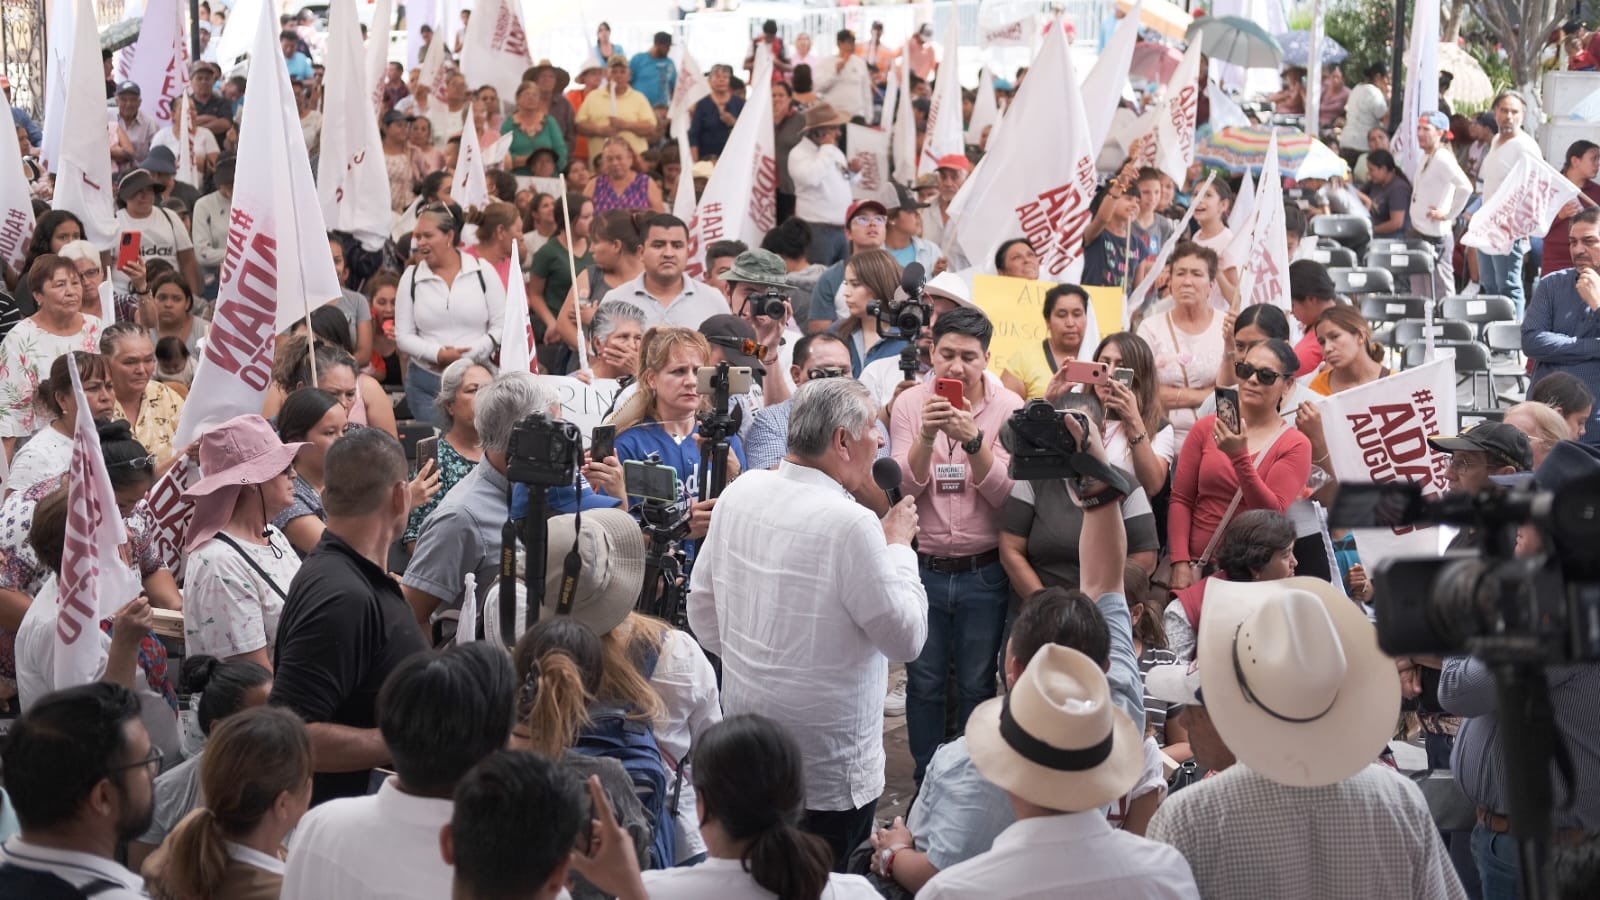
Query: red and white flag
{"points": [[470, 186], [16, 208], [870, 147], [1244, 209], [985, 108], [277, 248], [1422, 84], [692, 86], [1021, 192], [945, 136], [683, 199], [1525, 205], [1265, 275], [95, 582], [188, 171], [516, 332], [1109, 78], [434, 73], [1179, 108], [740, 201], [495, 48], [377, 51], [172, 512], [352, 180], [83, 169], [160, 65]]}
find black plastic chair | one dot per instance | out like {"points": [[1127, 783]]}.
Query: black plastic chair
{"points": [[1480, 310], [1471, 360], [1333, 256], [1361, 281], [1409, 331], [1350, 230], [1384, 310]]}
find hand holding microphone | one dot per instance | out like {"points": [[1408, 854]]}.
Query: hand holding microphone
{"points": [[900, 525]]}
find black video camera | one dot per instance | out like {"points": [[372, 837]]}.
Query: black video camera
{"points": [[544, 452], [1042, 447], [906, 318], [1540, 607]]}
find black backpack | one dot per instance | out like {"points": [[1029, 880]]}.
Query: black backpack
{"points": [[17, 883]]}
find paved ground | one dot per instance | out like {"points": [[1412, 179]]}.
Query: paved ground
{"points": [[898, 787]]}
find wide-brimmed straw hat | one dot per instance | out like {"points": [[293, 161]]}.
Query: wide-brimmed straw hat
{"points": [[611, 551], [1056, 740], [823, 115], [1294, 680]]}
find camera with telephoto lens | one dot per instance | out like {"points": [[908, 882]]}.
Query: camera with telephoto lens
{"points": [[545, 452], [771, 303], [1042, 446], [1539, 608], [906, 318]]}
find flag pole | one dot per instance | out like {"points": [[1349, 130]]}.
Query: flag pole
{"points": [[572, 266]]}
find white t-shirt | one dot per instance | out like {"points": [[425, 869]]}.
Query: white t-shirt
{"points": [[228, 607], [43, 457], [726, 879], [1162, 442], [161, 236], [204, 143]]}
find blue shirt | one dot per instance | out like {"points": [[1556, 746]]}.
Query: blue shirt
{"points": [[655, 77], [861, 357], [563, 501], [682, 455], [299, 66], [707, 133], [21, 119], [768, 439], [822, 307], [1562, 334]]}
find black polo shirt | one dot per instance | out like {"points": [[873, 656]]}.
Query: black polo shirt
{"points": [[345, 627]]}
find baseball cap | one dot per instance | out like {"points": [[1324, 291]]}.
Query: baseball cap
{"points": [[1497, 439], [1437, 119], [955, 161], [737, 338], [862, 206], [128, 87], [758, 267], [905, 199]]}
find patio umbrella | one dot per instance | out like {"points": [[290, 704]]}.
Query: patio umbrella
{"points": [[1236, 40], [121, 34], [1297, 49], [1245, 149], [1470, 86], [1153, 61], [1161, 16]]}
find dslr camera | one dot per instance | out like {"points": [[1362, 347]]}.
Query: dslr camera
{"points": [[770, 303], [544, 452], [906, 318], [1042, 447]]}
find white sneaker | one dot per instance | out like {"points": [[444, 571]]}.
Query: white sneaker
{"points": [[895, 703]]}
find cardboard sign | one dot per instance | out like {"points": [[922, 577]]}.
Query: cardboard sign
{"points": [[1016, 307]]}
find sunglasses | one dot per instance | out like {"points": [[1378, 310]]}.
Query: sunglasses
{"points": [[826, 372], [138, 462], [1265, 377], [746, 346]]}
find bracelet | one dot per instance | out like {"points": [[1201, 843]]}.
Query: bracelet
{"points": [[1136, 440], [886, 861]]}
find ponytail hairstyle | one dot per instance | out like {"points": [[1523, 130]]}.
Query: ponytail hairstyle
{"points": [[623, 226], [90, 365], [497, 216], [251, 761], [1351, 321], [224, 686], [655, 355], [559, 665], [1266, 318], [128, 463], [748, 776], [624, 651]]}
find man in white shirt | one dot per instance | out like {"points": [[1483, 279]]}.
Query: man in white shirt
{"points": [[80, 771], [662, 291], [441, 713], [806, 626], [448, 114], [1502, 274], [844, 81], [131, 130], [1367, 108], [822, 178], [952, 174], [516, 819], [1439, 194]]}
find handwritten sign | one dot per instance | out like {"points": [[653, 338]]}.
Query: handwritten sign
{"points": [[584, 404], [1016, 307]]}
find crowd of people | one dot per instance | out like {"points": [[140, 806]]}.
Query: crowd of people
{"points": [[1095, 668]]}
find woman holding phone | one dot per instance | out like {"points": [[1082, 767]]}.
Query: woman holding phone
{"points": [[1187, 339], [1041, 370], [1222, 471], [1137, 435]]}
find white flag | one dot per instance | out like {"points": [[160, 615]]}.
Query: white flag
{"points": [[277, 248], [426, 12], [1136, 300], [240, 37], [160, 64], [692, 86], [188, 172], [59, 47], [16, 208], [494, 155], [683, 199], [740, 201], [903, 136], [495, 49], [1091, 334], [83, 171], [352, 179], [1239, 222], [1022, 192], [985, 108], [467, 625], [516, 333], [1422, 84], [1180, 106], [94, 582], [1109, 77], [434, 73], [1224, 112], [1525, 205], [377, 50], [470, 186], [870, 146], [944, 135], [1264, 277]]}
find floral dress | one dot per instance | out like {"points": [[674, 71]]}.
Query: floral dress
{"points": [[452, 468], [25, 357]]}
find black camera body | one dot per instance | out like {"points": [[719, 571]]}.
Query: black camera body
{"points": [[906, 318], [771, 302], [544, 452], [1042, 446]]}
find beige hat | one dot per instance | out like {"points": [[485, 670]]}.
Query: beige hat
{"points": [[823, 115], [1056, 740], [1294, 680], [611, 550]]}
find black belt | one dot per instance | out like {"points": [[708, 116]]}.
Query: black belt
{"points": [[952, 565]]}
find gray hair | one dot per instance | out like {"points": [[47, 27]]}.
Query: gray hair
{"points": [[610, 314], [80, 251], [450, 386], [824, 405], [116, 331], [504, 402]]}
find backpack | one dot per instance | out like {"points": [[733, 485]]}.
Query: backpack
{"points": [[632, 742], [18, 882]]}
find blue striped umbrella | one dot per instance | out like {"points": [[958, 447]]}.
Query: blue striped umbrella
{"points": [[1297, 49]]}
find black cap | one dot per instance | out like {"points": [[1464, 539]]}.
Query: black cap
{"points": [[737, 338], [1501, 441]]}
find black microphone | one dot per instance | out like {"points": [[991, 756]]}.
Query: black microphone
{"points": [[911, 280], [886, 474]]}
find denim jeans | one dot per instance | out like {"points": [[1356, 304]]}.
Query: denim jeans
{"points": [[966, 614], [421, 387], [1503, 274], [1499, 870]]}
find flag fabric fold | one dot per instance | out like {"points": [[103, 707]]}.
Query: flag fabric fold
{"points": [[352, 177], [83, 170], [944, 134], [495, 48], [516, 331], [740, 200], [1525, 205], [1179, 109]]}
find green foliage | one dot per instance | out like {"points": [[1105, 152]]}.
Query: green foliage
{"points": [[1498, 70], [1364, 28]]}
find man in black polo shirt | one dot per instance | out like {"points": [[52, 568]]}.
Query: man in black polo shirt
{"points": [[345, 625]]}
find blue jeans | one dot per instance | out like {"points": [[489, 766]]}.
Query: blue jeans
{"points": [[1499, 869], [966, 614], [421, 387], [1503, 274]]}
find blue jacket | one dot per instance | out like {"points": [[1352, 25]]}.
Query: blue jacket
{"points": [[650, 437], [1560, 333]]}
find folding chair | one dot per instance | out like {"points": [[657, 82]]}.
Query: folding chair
{"points": [[1480, 310], [1350, 230], [1505, 346], [1333, 256], [1361, 281], [1471, 360], [1384, 310], [1409, 331], [1405, 262]]}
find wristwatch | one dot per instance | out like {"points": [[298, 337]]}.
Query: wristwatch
{"points": [[974, 445]]}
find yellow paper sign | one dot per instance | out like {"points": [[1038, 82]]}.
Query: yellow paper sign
{"points": [[1016, 307]]}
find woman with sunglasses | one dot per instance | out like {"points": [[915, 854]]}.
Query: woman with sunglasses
{"points": [[1187, 339], [1222, 472], [47, 453]]}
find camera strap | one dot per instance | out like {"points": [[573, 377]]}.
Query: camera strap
{"points": [[573, 564], [1233, 505]]}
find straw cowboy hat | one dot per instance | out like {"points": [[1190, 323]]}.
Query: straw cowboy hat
{"points": [[1294, 680], [823, 115], [611, 551], [1055, 739]]}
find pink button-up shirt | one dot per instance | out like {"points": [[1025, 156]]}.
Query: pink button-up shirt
{"points": [[967, 523]]}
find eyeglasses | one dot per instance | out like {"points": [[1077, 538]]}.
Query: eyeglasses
{"points": [[869, 220], [826, 372], [138, 462], [151, 762], [746, 346], [1264, 377]]}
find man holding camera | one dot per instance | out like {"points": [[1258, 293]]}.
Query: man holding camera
{"points": [[946, 439], [761, 295]]}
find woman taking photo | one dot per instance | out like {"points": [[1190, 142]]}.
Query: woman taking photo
{"points": [[162, 234], [448, 306], [1211, 231], [174, 313], [549, 273], [615, 336], [499, 229], [1036, 371], [47, 454], [615, 240], [870, 277], [311, 420], [1222, 472], [620, 184], [531, 126], [33, 344], [239, 565], [458, 451], [1187, 339], [256, 780], [1138, 438]]}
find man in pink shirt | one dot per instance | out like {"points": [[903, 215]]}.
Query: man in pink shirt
{"points": [[945, 434]]}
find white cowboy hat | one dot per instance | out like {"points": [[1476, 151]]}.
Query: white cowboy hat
{"points": [[952, 287], [1294, 680], [1055, 739]]}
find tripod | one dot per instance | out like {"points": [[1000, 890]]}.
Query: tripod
{"points": [[716, 428], [663, 593]]}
